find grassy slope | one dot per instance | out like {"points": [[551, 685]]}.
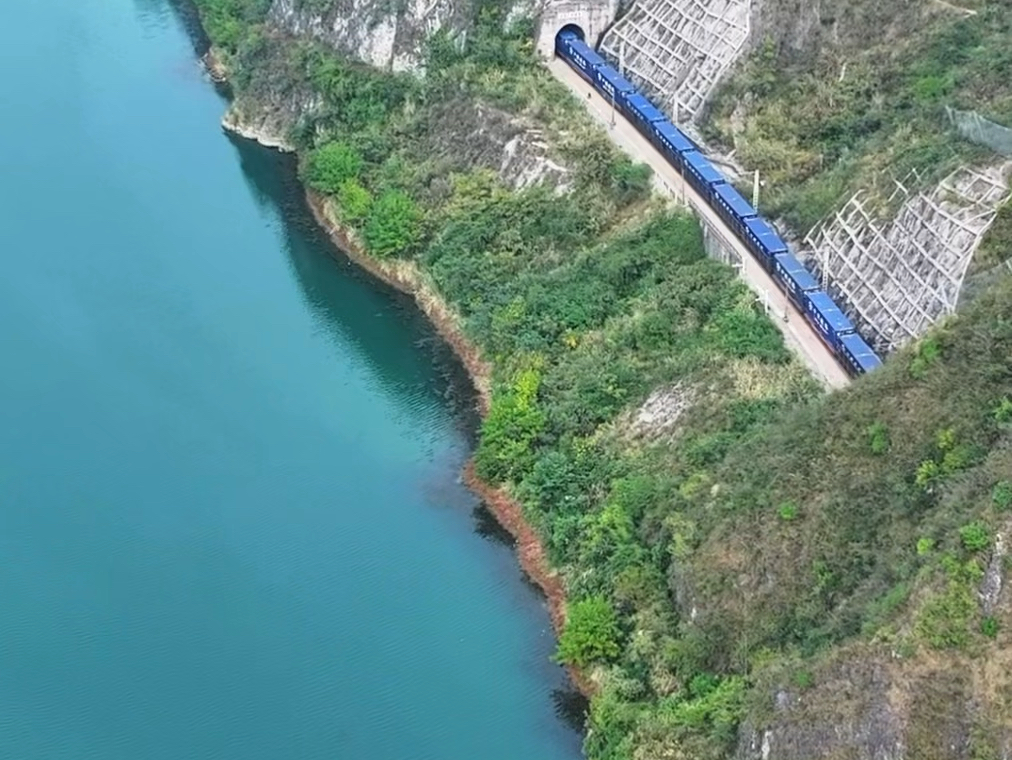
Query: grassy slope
{"points": [[863, 98], [792, 524]]}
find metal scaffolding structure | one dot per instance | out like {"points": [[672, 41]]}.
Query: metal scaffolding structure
{"points": [[675, 51], [897, 278]]}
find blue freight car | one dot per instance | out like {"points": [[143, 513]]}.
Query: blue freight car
{"points": [[764, 243], [858, 356], [642, 112], [671, 141], [701, 173], [831, 323], [732, 208], [796, 281], [581, 55], [613, 85]]}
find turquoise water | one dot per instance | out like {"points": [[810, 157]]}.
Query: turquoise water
{"points": [[231, 524]]}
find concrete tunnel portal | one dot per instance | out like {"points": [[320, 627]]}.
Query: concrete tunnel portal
{"points": [[575, 28]]}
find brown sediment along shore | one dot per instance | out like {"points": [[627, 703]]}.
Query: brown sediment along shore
{"points": [[406, 277]]}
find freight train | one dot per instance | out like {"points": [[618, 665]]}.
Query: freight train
{"points": [[757, 235]]}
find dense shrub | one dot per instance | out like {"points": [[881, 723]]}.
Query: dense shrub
{"points": [[591, 633], [329, 167], [392, 225]]}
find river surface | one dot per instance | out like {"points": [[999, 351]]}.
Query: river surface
{"points": [[231, 524]]}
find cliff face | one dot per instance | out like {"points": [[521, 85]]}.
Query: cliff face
{"points": [[381, 33], [389, 34], [276, 97], [872, 704]]}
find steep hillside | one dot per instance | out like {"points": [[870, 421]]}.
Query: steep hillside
{"points": [[753, 569], [840, 96]]}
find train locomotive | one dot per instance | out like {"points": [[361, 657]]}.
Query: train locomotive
{"points": [[758, 236]]}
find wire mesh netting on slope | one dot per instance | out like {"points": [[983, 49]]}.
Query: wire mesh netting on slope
{"points": [[974, 127], [899, 277], [675, 51]]}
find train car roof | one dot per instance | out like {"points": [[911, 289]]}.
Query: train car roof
{"points": [[830, 312], [797, 271], [766, 234], [709, 173], [733, 198], [674, 135], [619, 82], [649, 111], [861, 352], [593, 57]]}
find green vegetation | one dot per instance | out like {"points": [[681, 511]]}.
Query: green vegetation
{"points": [[975, 536], [230, 23], [591, 634], [392, 223], [730, 545], [878, 435], [824, 116], [331, 166]]}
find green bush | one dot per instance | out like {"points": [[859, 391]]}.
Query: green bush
{"points": [[1003, 412], [788, 511], [1001, 494], [804, 679], [929, 475], [393, 224], [989, 627], [927, 354], [511, 429], [716, 712], [328, 168], [944, 621], [975, 536], [878, 438], [630, 181], [355, 200], [591, 633], [229, 22]]}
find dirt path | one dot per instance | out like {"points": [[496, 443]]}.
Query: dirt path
{"points": [[798, 334]]}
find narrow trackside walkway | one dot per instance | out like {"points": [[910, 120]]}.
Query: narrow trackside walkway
{"points": [[799, 336]]}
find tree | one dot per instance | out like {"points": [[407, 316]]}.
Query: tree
{"points": [[355, 200], [591, 633], [392, 225], [331, 166], [511, 429]]}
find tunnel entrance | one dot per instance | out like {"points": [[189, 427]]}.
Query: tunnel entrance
{"points": [[575, 29]]}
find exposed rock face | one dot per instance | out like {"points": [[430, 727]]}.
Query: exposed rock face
{"points": [[866, 723], [469, 135], [391, 34], [387, 35]]}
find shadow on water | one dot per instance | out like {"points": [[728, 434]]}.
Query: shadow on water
{"points": [[352, 306], [486, 526], [571, 707]]}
